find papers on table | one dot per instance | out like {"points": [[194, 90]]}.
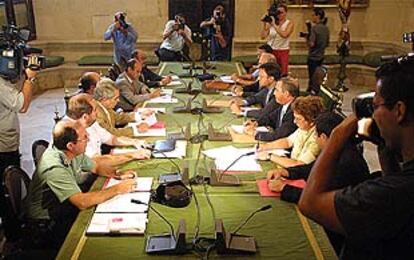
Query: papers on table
{"points": [[122, 203], [239, 129], [154, 109], [157, 129], [180, 151], [115, 223], [163, 99], [247, 109], [225, 156], [143, 183], [168, 92], [174, 83], [150, 120], [175, 77], [227, 79], [228, 93]]}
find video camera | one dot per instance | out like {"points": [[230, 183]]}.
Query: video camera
{"points": [[218, 17], [308, 30], [273, 11], [16, 55]]}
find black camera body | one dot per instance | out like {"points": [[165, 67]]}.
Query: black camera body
{"points": [[16, 55], [218, 18], [122, 22], [362, 105], [274, 12], [408, 37], [308, 30]]}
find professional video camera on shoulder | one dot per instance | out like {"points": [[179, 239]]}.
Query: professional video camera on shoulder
{"points": [[274, 12], [16, 55], [218, 17]]}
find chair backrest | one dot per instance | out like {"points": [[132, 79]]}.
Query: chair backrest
{"points": [[38, 148], [114, 71], [16, 184]]}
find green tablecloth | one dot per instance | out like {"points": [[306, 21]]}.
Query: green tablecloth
{"points": [[281, 233]]}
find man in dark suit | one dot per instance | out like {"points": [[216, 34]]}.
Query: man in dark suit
{"points": [[132, 91], [269, 74], [279, 119], [148, 77]]}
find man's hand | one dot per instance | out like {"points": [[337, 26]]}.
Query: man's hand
{"points": [[128, 174], [143, 127], [262, 155], [30, 73], [276, 185], [126, 186], [250, 128], [155, 93], [141, 154], [235, 109], [277, 174], [166, 80]]}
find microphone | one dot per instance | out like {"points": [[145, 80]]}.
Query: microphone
{"points": [[221, 179], [162, 244], [264, 208], [234, 162], [172, 177], [172, 232], [214, 135]]}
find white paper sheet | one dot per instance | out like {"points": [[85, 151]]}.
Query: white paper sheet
{"points": [[117, 223], [154, 109], [150, 120], [163, 100], [174, 83], [217, 152], [227, 79], [143, 183], [244, 164], [175, 77], [122, 203]]}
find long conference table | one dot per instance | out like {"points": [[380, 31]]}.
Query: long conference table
{"points": [[281, 232]]}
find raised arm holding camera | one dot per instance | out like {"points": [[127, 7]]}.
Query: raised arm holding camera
{"points": [[375, 216], [277, 29], [176, 35], [219, 32], [124, 37]]}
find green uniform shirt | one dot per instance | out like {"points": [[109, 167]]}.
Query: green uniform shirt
{"points": [[55, 180]]}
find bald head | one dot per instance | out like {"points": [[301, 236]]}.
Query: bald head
{"points": [[88, 82], [65, 132], [80, 104]]}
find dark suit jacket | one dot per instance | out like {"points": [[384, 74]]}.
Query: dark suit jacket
{"points": [[150, 78], [259, 98], [272, 119], [251, 90]]}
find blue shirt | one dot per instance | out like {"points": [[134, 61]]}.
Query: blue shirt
{"points": [[124, 45]]}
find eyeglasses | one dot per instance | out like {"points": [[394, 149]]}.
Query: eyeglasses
{"points": [[376, 106], [82, 140]]}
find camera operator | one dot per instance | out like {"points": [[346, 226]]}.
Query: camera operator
{"points": [[124, 37], [376, 216], [219, 32], [277, 29], [317, 39], [15, 98], [176, 35]]}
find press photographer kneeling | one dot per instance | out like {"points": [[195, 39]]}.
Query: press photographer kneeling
{"points": [[375, 216]]}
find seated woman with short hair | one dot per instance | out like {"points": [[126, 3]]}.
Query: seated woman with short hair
{"points": [[303, 141]]}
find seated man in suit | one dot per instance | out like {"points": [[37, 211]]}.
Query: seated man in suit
{"points": [[82, 108], [54, 197], [148, 77], [132, 91], [269, 74], [248, 84], [280, 119], [107, 96]]}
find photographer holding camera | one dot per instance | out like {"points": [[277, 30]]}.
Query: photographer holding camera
{"points": [[124, 37], [15, 98], [376, 216], [317, 39], [277, 29], [176, 35], [219, 33]]}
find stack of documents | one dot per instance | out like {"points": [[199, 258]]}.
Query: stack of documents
{"points": [[165, 98], [118, 215], [227, 155]]}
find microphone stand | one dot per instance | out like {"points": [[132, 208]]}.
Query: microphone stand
{"points": [[233, 243], [219, 178], [165, 244]]}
